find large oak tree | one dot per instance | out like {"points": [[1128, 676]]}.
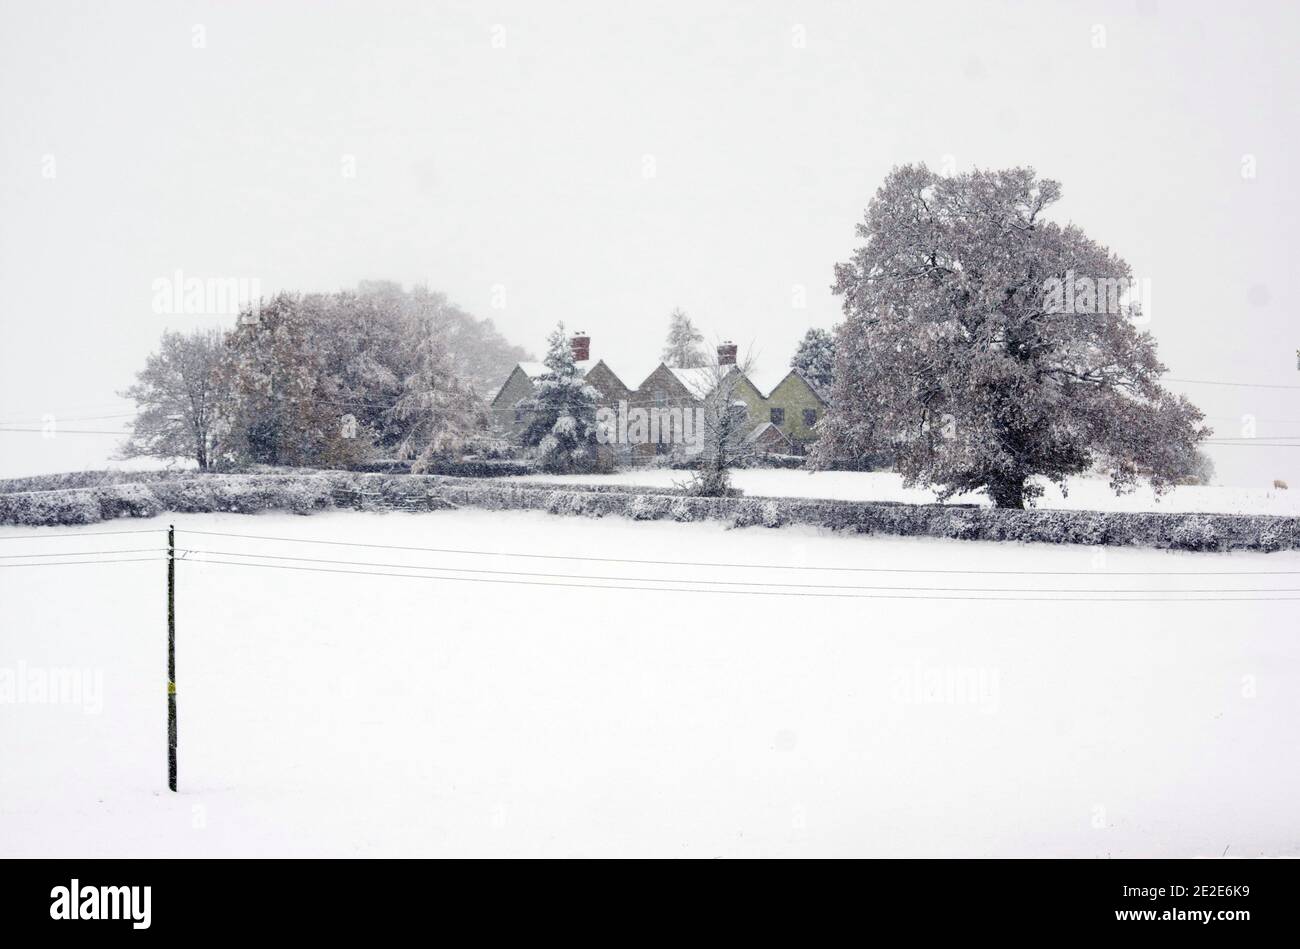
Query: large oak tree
{"points": [[962, 356]]}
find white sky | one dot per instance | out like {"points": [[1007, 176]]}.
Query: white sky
{"points": [[522, 167]]}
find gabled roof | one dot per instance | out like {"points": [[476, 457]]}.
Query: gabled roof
{"points": [[798, 374], [591, 366], [535, 370], [762, 430], [699, 381], [766, 379], [519, 367]]}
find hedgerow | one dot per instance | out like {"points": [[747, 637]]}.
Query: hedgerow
{"points": [[307, 492]]}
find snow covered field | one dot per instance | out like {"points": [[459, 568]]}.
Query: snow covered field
{"points": [[335, 714], [1085, 493]]}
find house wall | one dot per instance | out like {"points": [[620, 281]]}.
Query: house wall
{"points": [[794, 395], [675, 394], [612, 391], [772, 440], [610, 386], [662, 379], [518, 386], [748, 393]]}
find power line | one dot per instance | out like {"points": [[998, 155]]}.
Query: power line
{"points": [[853, 596], [1261, 421], [74, 563], [66, 418], [1236, 385], [1252, 443], [85, 553], [56, 430], [102, 407], [755, 566], [738, 583], [142, 530], [1254, 438]]}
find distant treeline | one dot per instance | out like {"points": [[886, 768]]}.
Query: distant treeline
{"points": [[323, 379]]}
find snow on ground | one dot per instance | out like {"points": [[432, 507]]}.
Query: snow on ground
{"points": [[1085, 493], [334, 714]]}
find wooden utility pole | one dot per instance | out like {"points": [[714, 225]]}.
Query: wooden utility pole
{"points": [[171, 657]]}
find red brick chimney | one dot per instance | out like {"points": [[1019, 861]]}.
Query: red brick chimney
{"points": [[726, 353], [580, 344]]}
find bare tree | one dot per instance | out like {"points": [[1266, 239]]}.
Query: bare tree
{"points": [[178, 400]]}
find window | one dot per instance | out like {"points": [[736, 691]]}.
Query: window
{"points": [[778, 417], [660, 397], [809, 418], [519, 415]]}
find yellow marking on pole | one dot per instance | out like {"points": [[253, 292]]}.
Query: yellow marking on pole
{"points": [[171, 688]]}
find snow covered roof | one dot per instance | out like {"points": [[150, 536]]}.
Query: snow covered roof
{"points": [[765, 380], [535, 370], [762, 430], [699, 382], [638, 369]]}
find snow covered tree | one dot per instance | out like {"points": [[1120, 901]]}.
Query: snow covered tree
{"points": [[725, 427], [286, 406], [372, 340], [178, 399], [815, 358], [961, 355], [562, 412], [316, 379], [367, 349], [1202, 469], [442, 412], [682, 350]]}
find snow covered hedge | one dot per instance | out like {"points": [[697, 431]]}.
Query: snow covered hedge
{"points": [[242, 494], [87, 479], [305, 493], [48, 508], [470, 468], [246, 494], [1116, 528]]}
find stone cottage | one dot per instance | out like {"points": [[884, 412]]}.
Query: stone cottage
{"points": [[784, 419]]}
